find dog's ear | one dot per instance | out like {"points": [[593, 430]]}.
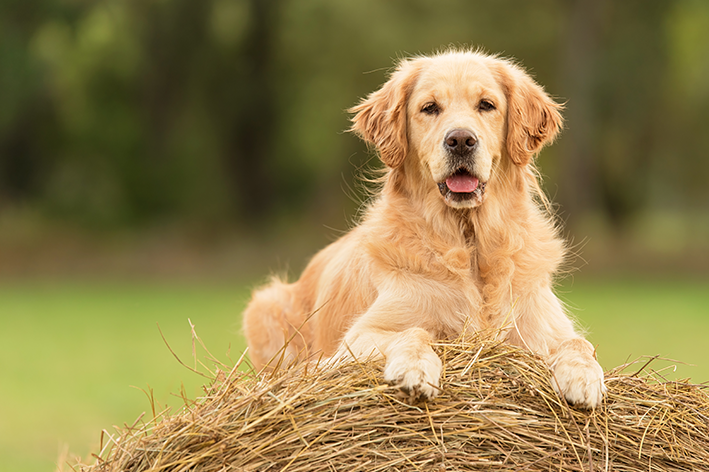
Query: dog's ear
{"points": [[533, 118], [380, 119]]}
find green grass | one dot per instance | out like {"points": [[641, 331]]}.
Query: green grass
{"points": [[628, 318], [70, 352]]}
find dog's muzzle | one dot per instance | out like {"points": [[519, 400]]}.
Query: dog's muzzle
{"points": [[461, 185]]}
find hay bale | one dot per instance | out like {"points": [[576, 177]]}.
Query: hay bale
{"points": [[497, 411]]}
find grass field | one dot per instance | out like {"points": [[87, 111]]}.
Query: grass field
{"points": [[70, 353]]}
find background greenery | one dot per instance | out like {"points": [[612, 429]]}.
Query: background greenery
{"points": [[159, 157], [120, 112]]}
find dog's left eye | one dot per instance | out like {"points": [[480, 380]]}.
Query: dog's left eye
{"points": [[486, 105]]}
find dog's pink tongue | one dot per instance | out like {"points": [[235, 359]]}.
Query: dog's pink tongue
{"points": [[462, 183]]}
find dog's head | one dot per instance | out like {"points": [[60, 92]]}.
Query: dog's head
{"points": [[456, 116]]}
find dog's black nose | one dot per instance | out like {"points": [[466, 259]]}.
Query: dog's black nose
{"points": [[460, 142]]}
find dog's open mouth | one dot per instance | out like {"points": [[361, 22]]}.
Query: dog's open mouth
{"points": [[462, 186]]}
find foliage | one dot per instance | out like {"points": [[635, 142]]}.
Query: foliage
{"points": [[121, 112]]}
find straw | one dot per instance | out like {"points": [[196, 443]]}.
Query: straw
{"points": [[496, 413]]}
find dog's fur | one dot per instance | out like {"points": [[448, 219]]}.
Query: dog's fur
{"points": [[425, 262]]}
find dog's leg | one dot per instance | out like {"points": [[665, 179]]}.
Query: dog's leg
{"points": [[411, 363], [541, 325], [385, 331]]}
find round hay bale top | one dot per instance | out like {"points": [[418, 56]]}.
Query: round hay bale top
{"points": [[497, 411]]}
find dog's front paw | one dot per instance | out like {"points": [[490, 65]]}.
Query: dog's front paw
{"points": [[577, 374], [417, 376]]}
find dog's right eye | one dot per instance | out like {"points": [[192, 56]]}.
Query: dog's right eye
{"points": [[431, 108]]}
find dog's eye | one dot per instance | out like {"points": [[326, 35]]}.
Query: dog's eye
{"points": [[431, 108], [486, 105]]}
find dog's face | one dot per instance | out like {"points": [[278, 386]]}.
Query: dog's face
{"points": [[456, 116], [456, 127]]}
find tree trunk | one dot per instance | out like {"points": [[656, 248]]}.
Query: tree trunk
{"points": [[254, 133], [580, 173]]}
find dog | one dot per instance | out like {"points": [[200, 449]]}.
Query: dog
{"points": [[457, 238]]}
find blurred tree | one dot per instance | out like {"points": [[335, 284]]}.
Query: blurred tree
{"points": [[615, 74], [632, 105], [174, 35], [127, 112], [243, 101], [579, 170], [26, 120], [683, 162]]}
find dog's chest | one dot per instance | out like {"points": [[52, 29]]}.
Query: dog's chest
{"points": [[461, 262]]}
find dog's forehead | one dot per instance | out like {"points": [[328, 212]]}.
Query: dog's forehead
{"points": [[458, 74]]}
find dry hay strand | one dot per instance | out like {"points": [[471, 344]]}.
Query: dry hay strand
{"points": [[496, 411]]}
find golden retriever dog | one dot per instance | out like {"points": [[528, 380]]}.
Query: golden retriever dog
{"points": [[457, 238]]}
